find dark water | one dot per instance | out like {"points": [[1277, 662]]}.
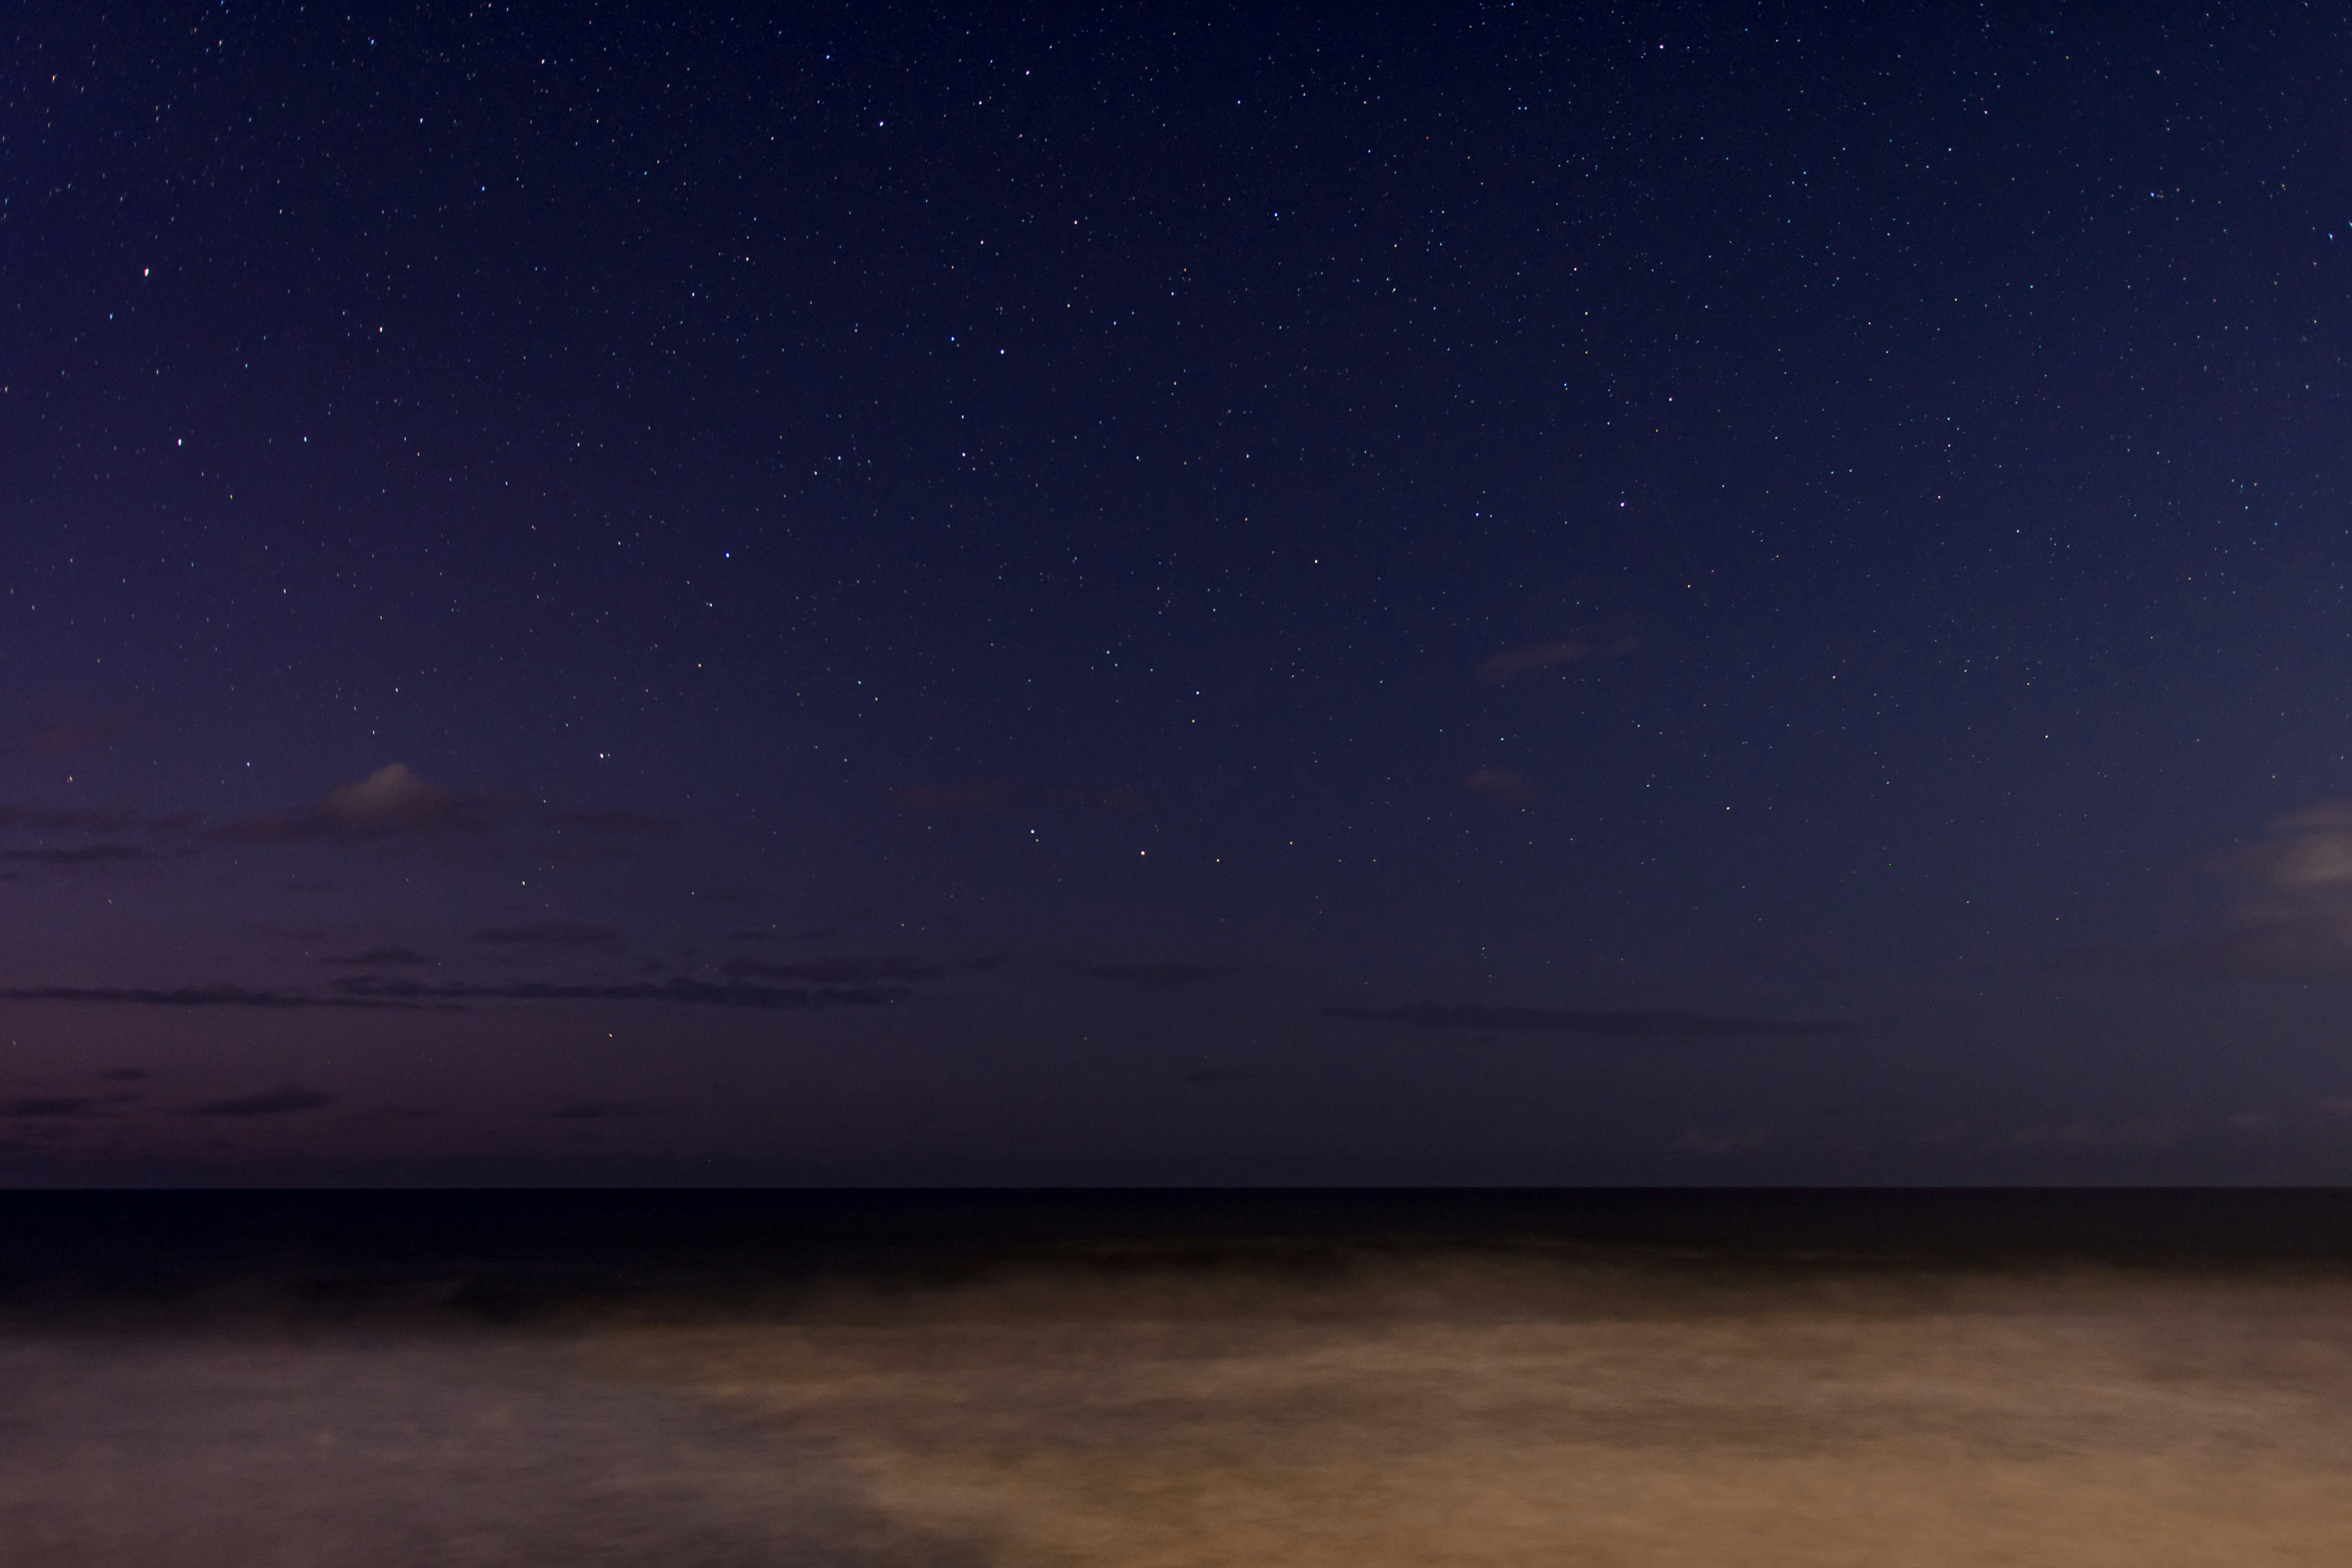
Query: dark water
{"points": [[380, 1379], [536, 1247]]}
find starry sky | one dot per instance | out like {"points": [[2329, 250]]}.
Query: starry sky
{"points": [[1137, 595]]}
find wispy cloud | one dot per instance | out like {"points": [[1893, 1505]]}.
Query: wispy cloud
{"points": [[2084, 1133], [1621, 1024], [63, 738], [701, 993], [100, 854], [2294, 918], [379, 956], [32, 1107], [31, 817], [390, 992], [549, 933], [396, 801], [972, 797], [286, 1099], [1701, 1141], [831, 971], [190, 996], [1000, 796], [1534, 657], [600, 1109], [608, 824], [391, 800], [1504, 786], [1155, 975]]}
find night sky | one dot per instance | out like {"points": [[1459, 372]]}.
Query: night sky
{"points": [[1175, 595]]}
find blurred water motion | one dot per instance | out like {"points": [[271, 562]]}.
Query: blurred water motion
{"points": [[1170, 1402]]}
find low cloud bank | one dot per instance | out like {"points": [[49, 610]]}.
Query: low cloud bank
{"points": [[1622, 1024], [189, 996], [286, 1099], [699, 993], [1156, 976]]}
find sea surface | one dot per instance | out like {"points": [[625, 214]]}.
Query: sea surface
{"points": [[364, 1380]]}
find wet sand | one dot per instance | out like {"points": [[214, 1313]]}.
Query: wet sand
{"points": [[1370, 1408]]}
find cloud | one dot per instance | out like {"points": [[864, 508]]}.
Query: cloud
{"points": [[375, 955], [384, 989], [2294, 918], [1699, 1142], [286, 1099], [974, 797], [391, 800], [368, 991], [43, 1106], [581, 833], [33, 818], [390, 797], [549, 933], [1504, 786], [1112, 800], [610, 823], [58, 738], [599, 1110], [831, 971], [189, 996], [102, 854], [1624, 1024], [1155, 975], [1534, 657], [999, 797], [2084, 1133]]}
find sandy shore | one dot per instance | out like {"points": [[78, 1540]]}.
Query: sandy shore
{"points": [[1405, 1410]]}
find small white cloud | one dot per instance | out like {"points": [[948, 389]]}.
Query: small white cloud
{"points": [[390, 798], [2294, 920]]}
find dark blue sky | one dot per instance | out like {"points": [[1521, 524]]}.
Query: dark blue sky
{"points": [[1501, 593]]}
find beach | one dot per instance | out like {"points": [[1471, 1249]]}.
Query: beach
{"points": [[1164, 1405]]}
